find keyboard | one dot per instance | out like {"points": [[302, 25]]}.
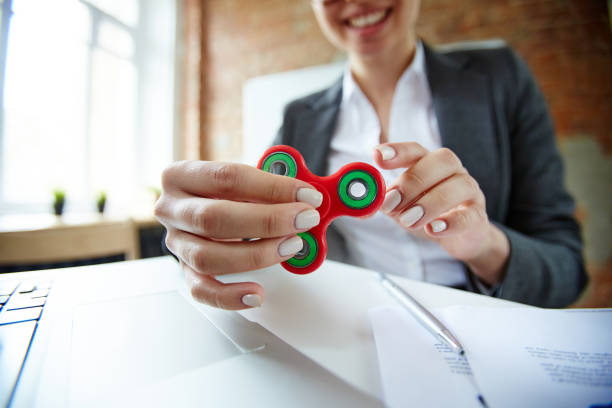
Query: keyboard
{"points": [[21, 307]]}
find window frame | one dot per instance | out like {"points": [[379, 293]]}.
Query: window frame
{"points": [[98, 18], [7, 13]]}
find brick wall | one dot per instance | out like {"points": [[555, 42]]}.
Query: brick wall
{"points": [[250, 38], [189, 53], [567, 43]]}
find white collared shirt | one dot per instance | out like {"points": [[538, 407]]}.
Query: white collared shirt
{"points": [[379, 243]]}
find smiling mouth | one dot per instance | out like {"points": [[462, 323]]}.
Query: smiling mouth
{"points": [[368, 20]]}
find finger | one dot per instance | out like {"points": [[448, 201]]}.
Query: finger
{"points": [[211, 257], [237, 182], [396, 155], [222, 219], [457, 221], [425, 174], [456, 190], [231, 296]]}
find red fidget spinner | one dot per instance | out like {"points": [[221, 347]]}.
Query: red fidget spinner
{"points": [[357, 189]]}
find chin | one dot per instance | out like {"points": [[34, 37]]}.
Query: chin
{"points": [[367, 50]]}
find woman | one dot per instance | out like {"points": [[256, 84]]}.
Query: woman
{"points": [[475, 197]]}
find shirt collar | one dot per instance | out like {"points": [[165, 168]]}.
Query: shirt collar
{"points": [[350, 88]]}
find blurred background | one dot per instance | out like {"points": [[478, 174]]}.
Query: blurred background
{"points": [[100, 95], [88, 99]]}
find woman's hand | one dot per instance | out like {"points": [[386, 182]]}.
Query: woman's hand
{"points": [[208, 208], [437, 198]]}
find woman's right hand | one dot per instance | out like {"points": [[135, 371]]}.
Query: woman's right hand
{"points": [[208, 208]]}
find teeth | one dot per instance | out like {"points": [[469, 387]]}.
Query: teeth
{"points": [[367, 20]]}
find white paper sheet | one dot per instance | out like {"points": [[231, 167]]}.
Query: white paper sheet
{"points": [[416, 368], [536, 357]]}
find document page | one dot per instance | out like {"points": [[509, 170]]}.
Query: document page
{"points": [[537, 357], [416, 368]]}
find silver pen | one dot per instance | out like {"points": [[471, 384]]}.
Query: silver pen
{"points": [[422, 315]]}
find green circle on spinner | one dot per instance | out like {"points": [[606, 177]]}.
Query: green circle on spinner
{"points": [[280, 163], [307, 254], [363, 183]]}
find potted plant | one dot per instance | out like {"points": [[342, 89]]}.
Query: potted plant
{"points": [[101, 201], [156, 192], [59, 199]]}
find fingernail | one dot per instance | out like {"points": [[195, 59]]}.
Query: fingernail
{"points": [[310, 196], [411, 216], [392, 199], [290, 246], [386, 151], [307, 219], [251, 300], [438, 225]]}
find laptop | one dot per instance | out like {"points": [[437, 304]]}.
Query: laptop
{"points": [[129, 334]]}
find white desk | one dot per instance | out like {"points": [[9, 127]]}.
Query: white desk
{"points": [[323, 314]]}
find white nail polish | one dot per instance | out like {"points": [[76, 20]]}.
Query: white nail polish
{"points": [[307, 219], [392, 199], [290, 246], [438, 225], [310, 196], [251, 300], [411, 216], [387, 152]]}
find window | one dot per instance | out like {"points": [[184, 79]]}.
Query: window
{"points": [[88, 102], [5, 14]]}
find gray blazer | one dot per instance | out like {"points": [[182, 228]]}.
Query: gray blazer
{"points": [[493, 116]]}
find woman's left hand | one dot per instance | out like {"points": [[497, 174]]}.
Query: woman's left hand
{"points": [[437, 198]]}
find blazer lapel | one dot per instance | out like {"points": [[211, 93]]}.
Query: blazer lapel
{"points": [[315, 127], [464, 109]]}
